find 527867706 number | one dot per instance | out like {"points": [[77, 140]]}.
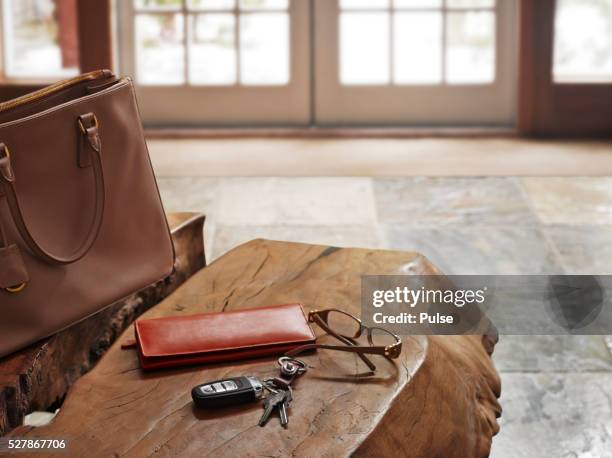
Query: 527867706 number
{"points": [[17, 445]]}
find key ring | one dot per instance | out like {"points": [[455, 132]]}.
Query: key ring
{"points": [[270, 386], [292, 366]]}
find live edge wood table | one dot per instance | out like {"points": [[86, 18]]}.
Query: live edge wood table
{"points": [[438, 400]]}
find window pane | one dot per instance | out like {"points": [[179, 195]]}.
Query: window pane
{"points": [[417, 3], [470, 3], [264, 4], [470, 51], [212, 53], [159, 49], [364, 57], [264, 47], [583, 41], [157, 5], [211, 4], [39, 41], [418, 48], [364, 4]]}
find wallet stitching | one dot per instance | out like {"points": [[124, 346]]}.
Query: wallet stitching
{"points": [[154, 362], [227, 350], [205, 352]]}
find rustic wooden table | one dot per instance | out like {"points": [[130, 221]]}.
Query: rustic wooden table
{"points": [[39, 376], [438, 399]]}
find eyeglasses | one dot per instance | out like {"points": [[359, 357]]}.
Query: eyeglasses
{"points": [[347, 328]]}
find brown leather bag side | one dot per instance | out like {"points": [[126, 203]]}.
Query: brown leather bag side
{"points": [[82, 221], [13, 274]]}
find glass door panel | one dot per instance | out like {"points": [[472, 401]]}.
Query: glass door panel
{"points": [[583, 41], [39, 39]]}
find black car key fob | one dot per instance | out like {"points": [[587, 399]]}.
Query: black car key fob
{"points": [[228, 392]]}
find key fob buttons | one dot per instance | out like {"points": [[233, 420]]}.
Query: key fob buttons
{"points": [[228, 392], [230, 385], [207, 389]]}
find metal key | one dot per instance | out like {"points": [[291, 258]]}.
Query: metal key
{"points": [[282, 408], [273, 401]]}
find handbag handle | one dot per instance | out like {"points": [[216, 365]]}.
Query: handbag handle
{"points": [[88, 125]]}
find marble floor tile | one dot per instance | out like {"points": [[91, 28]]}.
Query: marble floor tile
{"points": [[552, 353], [296, 201], [477, 250], [584, 250], [189, 194], [555, 415], [571, 200], [428, 201], [228, 237]]}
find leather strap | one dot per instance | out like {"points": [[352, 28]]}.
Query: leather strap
{"points": [[89, 128]]}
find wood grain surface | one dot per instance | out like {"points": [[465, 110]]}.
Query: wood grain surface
{"points": [[439, 399], [39, 376]]}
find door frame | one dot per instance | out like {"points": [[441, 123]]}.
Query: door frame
{"points": [[547, 108], [232, 105], [444, 105]]}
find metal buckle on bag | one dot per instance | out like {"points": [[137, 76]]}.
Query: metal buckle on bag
{"points": [[16, 289], [82, 127]]}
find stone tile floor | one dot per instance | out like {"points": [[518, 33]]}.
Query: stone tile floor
{"points": [[557, 390]]}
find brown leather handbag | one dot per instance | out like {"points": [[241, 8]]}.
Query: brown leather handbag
{"points": [[81, 220]]}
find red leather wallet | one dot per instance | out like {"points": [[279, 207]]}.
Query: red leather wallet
{"points": [[220, 337]]}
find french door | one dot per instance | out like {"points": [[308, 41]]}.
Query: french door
{"points": [[322, 62], [218, 62], [416, 62]]}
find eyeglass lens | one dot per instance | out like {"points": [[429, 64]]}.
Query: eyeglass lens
{"points": [[382, 337], [343, 324]]}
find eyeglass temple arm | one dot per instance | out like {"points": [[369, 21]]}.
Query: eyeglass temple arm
{"points": [[348, 349]]}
